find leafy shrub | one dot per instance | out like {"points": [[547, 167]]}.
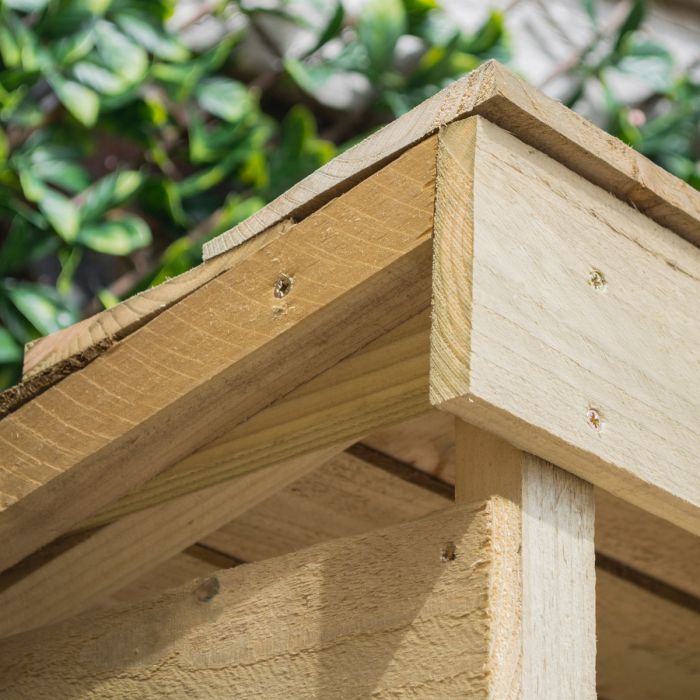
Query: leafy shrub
{"points": [[122, 149]]}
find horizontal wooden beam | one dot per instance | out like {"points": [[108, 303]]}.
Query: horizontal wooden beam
{"points": [[299, 305], [494, 92], [82, 572], [565, 321], [402, 610]]}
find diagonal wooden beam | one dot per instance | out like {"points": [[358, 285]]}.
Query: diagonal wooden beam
{"points": [[330, 286], [565, 321], [47, 589]]}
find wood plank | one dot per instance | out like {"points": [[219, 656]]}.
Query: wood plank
{"points": [[381, 614], [554, 325], [543, 635], [178, 571], [647, 647], [219, 355], [382, 383], [493, 92], [45, 590], [62, 352], [623, 532], [348, 496]]}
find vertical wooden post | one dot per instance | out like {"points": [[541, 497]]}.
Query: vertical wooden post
{"points": [[542, 643]]}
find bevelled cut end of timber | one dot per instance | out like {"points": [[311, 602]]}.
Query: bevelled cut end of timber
{"points": [[493, 92], [565, 321]]}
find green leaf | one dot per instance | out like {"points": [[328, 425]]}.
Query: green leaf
{"points": [[41, 306], [108, 192], [10, 51], [100, 79], [70, 49], [309, 78], [645, 60], [70, 258], [61, 213], [165, 46], [488, 35], [224, 98], [116, 237], [82, 102], [118, 53], [10, 349], [332, 28], [380, 25], [632, 21], [65, 174]]}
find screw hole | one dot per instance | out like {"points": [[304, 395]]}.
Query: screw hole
{"points": [[283, 286], [595, 420], [207, 589], [448, 552], [597, 280]]}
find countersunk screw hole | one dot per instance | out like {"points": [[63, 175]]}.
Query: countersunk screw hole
{"points": [[595, 420], [448, 552], [207, 589], [283, 286], [597, 280]]}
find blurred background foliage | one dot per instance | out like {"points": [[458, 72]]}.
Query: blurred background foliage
{"points": [[123, 147]]}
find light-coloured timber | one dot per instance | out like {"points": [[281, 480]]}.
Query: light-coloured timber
{"points": [[497, 94], [543, 633], [380, 384], [78, 342], [348, 496], [647, 646], [566, 321], [196, 562], [404, 610], [343, 278], [623, 532], [105, 561]]}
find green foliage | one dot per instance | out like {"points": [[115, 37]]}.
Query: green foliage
{"points": [[122, 149]]}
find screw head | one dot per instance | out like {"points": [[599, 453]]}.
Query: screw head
{"points": [[597, 280], [283, 286], [594, 418]]}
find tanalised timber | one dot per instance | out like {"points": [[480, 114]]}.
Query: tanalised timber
{"points": [[85, 570], [302, 303], [565, 321], [405, 609], [496, 93]]}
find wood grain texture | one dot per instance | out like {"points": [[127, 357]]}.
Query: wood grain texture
{"points": [[380, 384], [381, 614], [97, 333], [647, 647], [79, 577], [494, 92], [543, 639], [559, 333], [346, 496], [219, 355]]}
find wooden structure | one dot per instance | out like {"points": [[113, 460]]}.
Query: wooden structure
{"points": [[489, 301]]}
